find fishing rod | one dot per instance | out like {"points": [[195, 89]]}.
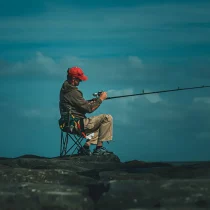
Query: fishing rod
{"points": [[147, 93]]}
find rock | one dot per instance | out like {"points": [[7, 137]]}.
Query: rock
{"points": [[168, 171], [33, 163], [121, 175], [3, 166], [141, 164], [101, 182], [76, 164], [96, 159], [123, 195], [32, 156], [50, 176], [183, 172], [27, 196]]}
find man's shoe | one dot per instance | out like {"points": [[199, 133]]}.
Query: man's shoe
{"points": [[101, 151], [84, 151]]}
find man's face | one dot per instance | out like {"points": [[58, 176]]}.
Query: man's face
{"points": [[77, 81]]}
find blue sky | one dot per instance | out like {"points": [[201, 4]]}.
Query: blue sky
{"points": [[123, 47]]}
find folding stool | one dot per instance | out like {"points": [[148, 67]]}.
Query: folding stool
{"points": [[68, 134]]}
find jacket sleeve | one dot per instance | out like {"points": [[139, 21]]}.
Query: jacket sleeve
{"points": [[88, 106]]}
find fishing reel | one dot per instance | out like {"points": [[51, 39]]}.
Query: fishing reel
{"points": [[98, 94]]}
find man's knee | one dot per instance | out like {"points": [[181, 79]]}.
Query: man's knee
{"points": [[107, 118]]}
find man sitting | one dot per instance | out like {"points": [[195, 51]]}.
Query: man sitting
{"points": [[100, 127]]}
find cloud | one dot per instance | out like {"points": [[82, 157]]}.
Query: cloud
{"points": [[131, 70], [202, 100], [32, 113], [104, 68], [40, 113], [39, 64], [119, 107], [135, 61], [124, 108], [157, 112], [124, 92], [153, 98]]}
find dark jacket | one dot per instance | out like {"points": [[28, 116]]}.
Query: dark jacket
{"points": [[72, 97]]}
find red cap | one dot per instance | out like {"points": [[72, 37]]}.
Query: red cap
{"points": [[77, 73]]}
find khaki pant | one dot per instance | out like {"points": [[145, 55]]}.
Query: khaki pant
{"points": [[101, 128]]}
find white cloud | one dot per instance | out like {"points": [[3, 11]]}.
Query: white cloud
{"points": [[135, 61], [40, 113], [38, 63], [102, 69], [32, 113], [119, 107], [47, 63], [41, 63], [202, 100], [153, 98], [124, 92], [123, 108]]}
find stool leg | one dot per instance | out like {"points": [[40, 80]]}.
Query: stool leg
{"points": [[61, 144], [64, 143], [78, 143]]}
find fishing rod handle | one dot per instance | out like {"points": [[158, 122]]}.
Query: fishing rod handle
{"points": [[98, 93]]}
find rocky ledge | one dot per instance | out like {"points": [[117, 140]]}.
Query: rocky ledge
{"points": [[100, 183]]}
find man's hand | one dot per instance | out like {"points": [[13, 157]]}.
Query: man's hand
{"points": [[103, 96], [91, 101]]}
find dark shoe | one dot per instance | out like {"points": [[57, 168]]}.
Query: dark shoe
{"points": [[101, 151], [83, 151]]}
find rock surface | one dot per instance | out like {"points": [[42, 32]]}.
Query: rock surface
{"points": [[98, 183]]}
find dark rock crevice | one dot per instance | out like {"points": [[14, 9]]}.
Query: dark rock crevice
{"points": [[94, 174], [96, 190]]}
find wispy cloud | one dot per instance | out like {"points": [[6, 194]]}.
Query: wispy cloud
{"points": [[110, 68], [131, 70], [120, 108], [135, 62], [154, 98], [202, 100], [32, 113], [40, 63], [40, 113], [123, 108], [123, 101]]}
